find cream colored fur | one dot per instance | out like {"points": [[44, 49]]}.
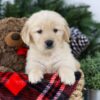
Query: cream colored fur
{"points": [[41, 60]]}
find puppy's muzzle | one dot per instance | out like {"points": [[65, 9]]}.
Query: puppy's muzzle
{"points": [[49, 44]]}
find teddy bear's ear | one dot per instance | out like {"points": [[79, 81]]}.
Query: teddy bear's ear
{"points": [[13, 39]]}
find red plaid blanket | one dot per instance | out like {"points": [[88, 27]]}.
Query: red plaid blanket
{"points": [[15, 86]]}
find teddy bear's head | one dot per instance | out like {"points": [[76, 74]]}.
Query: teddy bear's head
{"points": [[10, 29]]}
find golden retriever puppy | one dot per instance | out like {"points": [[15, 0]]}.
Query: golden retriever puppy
{"points": [[47, 35]]}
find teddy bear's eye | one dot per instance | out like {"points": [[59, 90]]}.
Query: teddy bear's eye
{"points": [[39, 31], [55, 30]]}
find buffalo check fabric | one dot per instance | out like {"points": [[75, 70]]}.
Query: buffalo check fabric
{"points": [[78, 41], [15, 86]]}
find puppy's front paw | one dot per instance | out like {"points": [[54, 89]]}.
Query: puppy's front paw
{"points": [[67, 76], [35, 76]]}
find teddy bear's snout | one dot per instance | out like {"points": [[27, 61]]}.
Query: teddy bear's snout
{"points": [[15, 36]]}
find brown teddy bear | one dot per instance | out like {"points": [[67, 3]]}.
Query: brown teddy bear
{"points": [[10, 41]]}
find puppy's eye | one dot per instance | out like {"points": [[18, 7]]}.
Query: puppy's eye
{"points": [[39, 31], [55, 30]]}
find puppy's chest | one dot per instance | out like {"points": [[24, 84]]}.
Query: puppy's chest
{"points": [[50, 63]]}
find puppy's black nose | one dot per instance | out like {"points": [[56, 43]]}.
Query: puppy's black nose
{"points": [[49, 44]]}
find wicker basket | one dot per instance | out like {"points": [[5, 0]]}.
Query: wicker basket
{"points": [[76, 95]]}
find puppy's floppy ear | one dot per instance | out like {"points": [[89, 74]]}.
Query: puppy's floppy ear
{"points": [[25, 34], [66, 33]]}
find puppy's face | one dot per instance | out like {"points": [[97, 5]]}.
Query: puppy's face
{"points": [[46, 30]]}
